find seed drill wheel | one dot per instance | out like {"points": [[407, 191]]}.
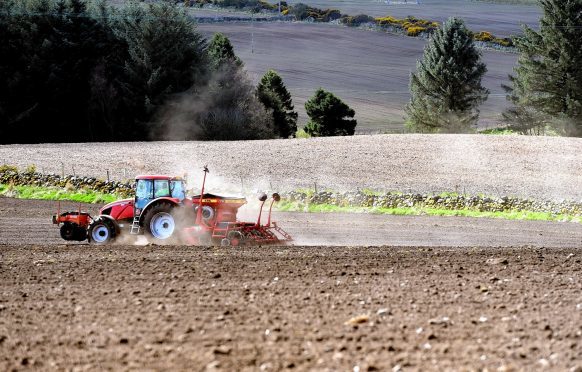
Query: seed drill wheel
{"points": [[159, 221], [236, 238], [101, 232], [68, 231]]}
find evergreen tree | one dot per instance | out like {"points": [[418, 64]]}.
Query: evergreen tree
{"points": [[329, 116], [548, 78], [446, 89], [50, 54], [221, 51], [522, 117], [275, 96], [164, 56]]}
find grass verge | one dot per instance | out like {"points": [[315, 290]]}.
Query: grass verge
{"points": [[88, 196], [421, 211], [55, 193]]}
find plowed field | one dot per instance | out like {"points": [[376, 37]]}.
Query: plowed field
{"points": [[463, 305]]}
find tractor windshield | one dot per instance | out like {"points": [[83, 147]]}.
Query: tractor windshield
{"points": [[144, 192], [177, 189], [144, 189]]}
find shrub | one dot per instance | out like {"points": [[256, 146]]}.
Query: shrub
{"points": [[300, 11], [301, 133], [356, 20], [331, 15], [31, 169], [415, 30], [8, 168], [383, 21], [483, 36]]}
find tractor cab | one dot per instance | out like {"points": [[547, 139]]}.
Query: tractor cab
{"points": [[150, 188]]}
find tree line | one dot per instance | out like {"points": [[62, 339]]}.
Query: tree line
{"points": [[545, 90], [75, 71]]}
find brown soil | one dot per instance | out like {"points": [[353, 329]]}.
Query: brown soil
{"points": [[129, 307], [258, 308]]}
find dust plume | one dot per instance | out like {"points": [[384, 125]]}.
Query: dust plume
{"points": [[225, 108]]}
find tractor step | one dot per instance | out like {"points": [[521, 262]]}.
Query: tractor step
{"points": [[135, 228]]}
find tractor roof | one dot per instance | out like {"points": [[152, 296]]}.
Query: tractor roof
{"points": [[157, 177]]}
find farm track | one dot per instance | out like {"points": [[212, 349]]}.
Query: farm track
{"points": [[323, 229]]}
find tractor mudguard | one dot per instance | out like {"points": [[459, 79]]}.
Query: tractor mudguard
{"points": [[155, 202], [106, 217]]}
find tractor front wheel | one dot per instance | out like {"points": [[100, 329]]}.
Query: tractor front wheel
{"points": [[101, 232], [159, 221]]}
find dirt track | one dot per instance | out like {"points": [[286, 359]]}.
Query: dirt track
{"points": [[335, 229]]}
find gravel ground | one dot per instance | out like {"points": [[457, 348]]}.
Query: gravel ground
{"points": [[535, 167]]}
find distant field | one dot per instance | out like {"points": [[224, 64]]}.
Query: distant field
{"points": [[511, 2], [502, 17], [369, 70]]}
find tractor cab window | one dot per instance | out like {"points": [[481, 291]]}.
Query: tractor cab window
{"points": [[177, 190], [144, 189], [161, 188]]}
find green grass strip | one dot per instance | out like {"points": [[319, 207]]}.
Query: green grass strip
{"points": [[423, 211], [89, 196], [55, 193]]}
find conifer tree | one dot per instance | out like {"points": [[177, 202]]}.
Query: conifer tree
{"points": [[221, 51], [164, 55], [446, 89], [329, 116], [547, 85], [275, 96]]}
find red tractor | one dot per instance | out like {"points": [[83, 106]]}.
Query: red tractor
{"points": [[161, 211]]}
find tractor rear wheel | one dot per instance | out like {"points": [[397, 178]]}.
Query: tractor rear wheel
{"points": [[101, 232], [159, 221]]}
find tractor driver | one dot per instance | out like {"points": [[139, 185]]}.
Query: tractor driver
{"points": [[161, 188]]}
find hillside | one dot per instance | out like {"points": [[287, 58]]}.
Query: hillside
{"points": [[536, 167]]}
